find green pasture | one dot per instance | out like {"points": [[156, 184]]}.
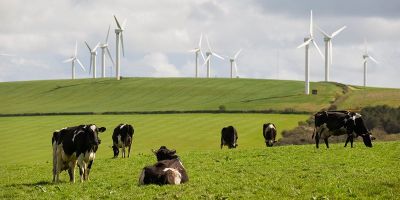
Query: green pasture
{"points": [[286, 172], [28, 139], [161, 94], [359, 97]]}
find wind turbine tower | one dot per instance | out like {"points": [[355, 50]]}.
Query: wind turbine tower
{"points": [[93, 54], [328, 49], [104, 48], [74, 58], [196, 51], [119, 44], [366, 56], [306, 43]]}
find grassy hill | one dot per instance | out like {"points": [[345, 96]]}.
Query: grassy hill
{"points": [[288, 172], [161, 94]]}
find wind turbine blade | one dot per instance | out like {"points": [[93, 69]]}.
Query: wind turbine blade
{"points": [[88, 46], [97, 46], [319, 51], [80, 64], [311, 24], [206, 60], [202, 55], [365, 46], [119, 26], [218, 56], [338, 31], [201, 37], [236, 71], [108, 32], [6, 54], [68, 60], [237, 54], [305, 43], [323, 32], [109, 55], [122, 43], [373, 59], [208, 43], [76, 48]]}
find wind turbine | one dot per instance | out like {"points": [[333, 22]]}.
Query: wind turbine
{"points": [[74, 58], [196, 51], [93, 54], [233, 62], [104, 48], [210, 53], [306, 44], [366, 56], [120, 43], [328, 49]]}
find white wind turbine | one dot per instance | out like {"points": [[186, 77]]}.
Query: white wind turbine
{"points": [[93, 54], [104, 48], [366, 56], [74, 58], [306, 43], [233, 63], [120, 43], [328, 49], [210, 53], [196, 51]]}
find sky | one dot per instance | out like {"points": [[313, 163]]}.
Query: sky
{"points": [[159, 34]]}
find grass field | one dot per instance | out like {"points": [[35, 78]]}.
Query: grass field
{"points": [[161, 94], [359, 97], [29, 138], [287, 172]]}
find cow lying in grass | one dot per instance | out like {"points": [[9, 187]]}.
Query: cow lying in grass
{"points": [[168, 170], [75, 146]]}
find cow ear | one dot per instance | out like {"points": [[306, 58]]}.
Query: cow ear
{"points": [[154, 151], [102, 129]]}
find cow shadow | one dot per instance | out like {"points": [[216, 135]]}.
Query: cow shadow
{"points": [[36, 184], [268, 98]]}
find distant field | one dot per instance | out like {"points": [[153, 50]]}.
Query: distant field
{"points": [[286, 172], [29, 138], [161, 94], [360, 97]]}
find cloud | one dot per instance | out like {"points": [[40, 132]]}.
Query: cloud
{"points": [[160, 33]]}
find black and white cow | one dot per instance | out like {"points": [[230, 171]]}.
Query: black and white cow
{"points": [[168, 170], [269, 133], [229, 137], [122, 137], [75, 146], [328, 123]]}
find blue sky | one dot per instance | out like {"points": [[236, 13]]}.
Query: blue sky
{"points": [[159, 35]]}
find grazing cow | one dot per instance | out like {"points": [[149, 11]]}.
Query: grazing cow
{"points": [[229, 137], [328, 123], [75, 146], [122, 137], [269, 133], [168, 170]]}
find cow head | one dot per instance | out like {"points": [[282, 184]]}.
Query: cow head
{"points": [[116, 151], [93, 134], [362, 131], [165, 154]]}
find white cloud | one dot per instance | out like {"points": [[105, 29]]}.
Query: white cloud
{"points": [[159, 34]]}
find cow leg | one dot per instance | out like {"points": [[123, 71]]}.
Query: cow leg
{"points": [[222, 142], [326, 142], [54, 161], [317, 140], [123, 151], [71, 171], [88, 169], [351, 141], [347, 140], [82, 166], [129, 149]]}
